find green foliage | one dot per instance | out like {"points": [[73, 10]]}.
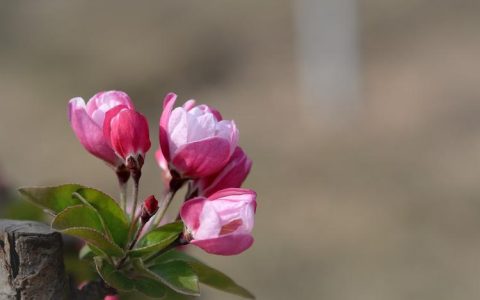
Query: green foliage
{"points": [[96, 218], [178, 275], [115, 219], [84, 222], [157, 239], [113, 276], [55, 198], [207, 275], [150, 287]]}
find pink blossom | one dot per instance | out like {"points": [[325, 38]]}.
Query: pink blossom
{"points": [[111, 297], [223, 222], [231, 176], [87, 121], [194, 139], [127, 132]]}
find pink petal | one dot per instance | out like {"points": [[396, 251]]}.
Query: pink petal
{"points": [[89, 133], [129, 133], [211, 110], [190, 212], [107, 122], [210, 223], [231, 176], [163, 164], [168, 104], [189, 104], [202, 158], [109, 99], [230, 244]]}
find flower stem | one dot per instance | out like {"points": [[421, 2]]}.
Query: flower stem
{"points": [[123, 196], [162, 209], [136, 174], [123, 174], [132, 243], [136, 179]]}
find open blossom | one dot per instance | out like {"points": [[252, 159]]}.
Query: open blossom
{"points": [[231, 176], [223, 222], [194, 139], [87, 121], [127, 132]]}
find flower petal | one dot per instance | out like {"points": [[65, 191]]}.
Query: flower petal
{"points": [[190, 212], [89, 133], [230, 244], [129, 133], [168, 104], [202, 158]]}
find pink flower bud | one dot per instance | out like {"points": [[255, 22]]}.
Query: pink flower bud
{"points": [[111, 297], [231, 176], [87, 122], [194, 139], [223, 222], [149, 208], [127, 131]]}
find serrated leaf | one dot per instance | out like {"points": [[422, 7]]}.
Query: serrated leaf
{"points": [[157, 239], [208, 275], [113, 216], [177, 275], [55, 198], [112, 276], [84, 222]]}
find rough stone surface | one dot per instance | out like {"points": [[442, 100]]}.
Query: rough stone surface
{"points": [[31, 262]]}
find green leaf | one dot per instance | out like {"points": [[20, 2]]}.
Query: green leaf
{"points": [[157, 239], [178, 275], [84, 222], [208, 275], [113, 216], [112, 276], [55, 198], [150, 287], [78, 216]]}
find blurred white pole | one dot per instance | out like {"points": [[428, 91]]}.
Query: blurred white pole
{"points": [[328, 59]]}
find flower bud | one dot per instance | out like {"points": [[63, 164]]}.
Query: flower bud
{"points": [[127, 131], [194, 139], [149, 208], [222, 223]]}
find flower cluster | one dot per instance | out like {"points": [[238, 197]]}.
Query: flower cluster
{"points": [[198, 148]]}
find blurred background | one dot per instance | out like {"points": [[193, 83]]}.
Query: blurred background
{"points": [[362, 119]]}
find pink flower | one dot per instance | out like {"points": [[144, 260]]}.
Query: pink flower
{"points": [[194, 139], [231, 176], [223, 222], [127, 132], [87, 122], [111, 297]]}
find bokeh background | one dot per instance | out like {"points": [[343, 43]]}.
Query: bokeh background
{"points": [[362, 119]]}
